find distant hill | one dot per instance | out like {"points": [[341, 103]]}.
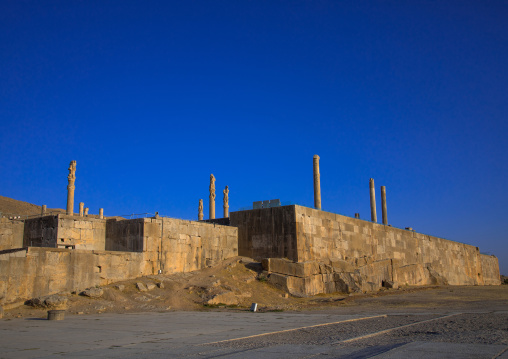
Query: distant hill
{"points": [[12, 207]]}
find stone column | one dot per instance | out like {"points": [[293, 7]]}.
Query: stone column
{"points": [[357, 215], [226, 202], [200, 210], [317, 184], [70, 188], [383, 205], [101, 213], [373, 216], [212, 197], [81, 208], [43, 211], [86, 211]]}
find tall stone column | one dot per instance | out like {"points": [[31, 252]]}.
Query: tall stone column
{"points": [[200, 210], [81, 208], [373, 216], [317, 184], [101, 213], [86, 211], [226, 202], [43, 211], [212, 197], [383, 205], [70, 188]]}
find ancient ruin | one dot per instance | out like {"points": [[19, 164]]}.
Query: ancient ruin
{"points": [[212, 197], [200, 210], [373, 216], [226, 202], [70, 188], [317, 183], [305, 251]]}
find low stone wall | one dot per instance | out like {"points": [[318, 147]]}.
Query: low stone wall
{"points": [[32, 272], [11, 234]]}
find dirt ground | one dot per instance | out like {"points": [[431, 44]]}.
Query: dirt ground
{"points": [[238, 282]]}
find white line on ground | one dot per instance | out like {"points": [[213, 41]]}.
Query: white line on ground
{"points": [[289, 330], [390, 329]]}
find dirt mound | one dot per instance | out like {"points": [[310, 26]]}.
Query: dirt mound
{"points": [[12, 207]]}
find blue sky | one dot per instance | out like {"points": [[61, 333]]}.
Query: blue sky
{"points": [[150, 97]]}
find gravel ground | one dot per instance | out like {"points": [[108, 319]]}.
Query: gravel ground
{"points": [[470, 328]]}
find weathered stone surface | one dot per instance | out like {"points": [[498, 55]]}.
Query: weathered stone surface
{"points": [[160, 285], [141, 287], [120, 287], [93, 292], [151, 286]]}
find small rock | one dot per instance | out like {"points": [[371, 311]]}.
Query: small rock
{"points": [[160, 285], [93, 292], [141, 287], [79, 313], [216, 283], [227, 298], [390, 284], [120, 287], [150, 286]]}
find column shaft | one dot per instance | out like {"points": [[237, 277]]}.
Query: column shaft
{"points": [[383, 205], [317, 183], [373, 216]]}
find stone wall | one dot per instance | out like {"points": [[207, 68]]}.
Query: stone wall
{"points": [[81, 232], [173, 245], [266, 232], [125, 235], [32, 272], [371, 253], [63, 231], [11, 234], [41, 232]]}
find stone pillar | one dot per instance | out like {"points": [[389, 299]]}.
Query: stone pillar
{"points": [[317, 184], [70, 188], [373, 216], [226, 202], [357, 215], [81, 208], [86, 211], [43, 211], [383, 205], [212, 197], [200, 210], [101, 213]]}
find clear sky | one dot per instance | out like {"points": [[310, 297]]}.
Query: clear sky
{"points": [[150, 97]]}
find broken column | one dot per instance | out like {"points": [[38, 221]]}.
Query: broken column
{"points": [[383, 205], [200, 210], [70, 188], [357, 215], [81, 208], [373, 216], [317, 184], [86, 211], [43, 211], [101, 213], [212, 197], [226, 202]]}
